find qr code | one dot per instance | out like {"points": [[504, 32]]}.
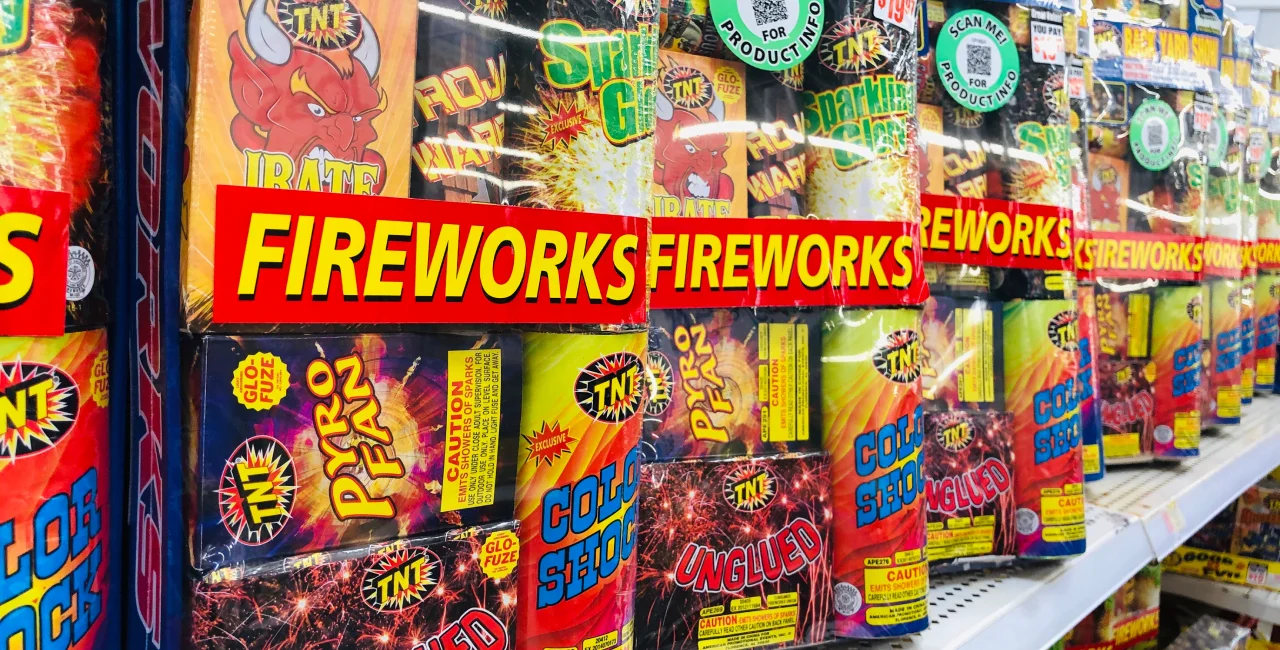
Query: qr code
{"points": [[1155, 136], [769, 11], [978, 59]]}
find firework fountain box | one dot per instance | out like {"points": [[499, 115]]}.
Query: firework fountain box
{"points": [[1238, 546], [735, 552], [309, 443], [455, 590]]}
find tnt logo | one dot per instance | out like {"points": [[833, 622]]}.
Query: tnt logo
{"points": [[897, 357], [38, 406], [401, 579], [750, 488], [687, 87], [956, 436], [855, 45], [321, 24], [1063, 331], [1195, 310], [661, 380], [257, 490], [611, 388]]}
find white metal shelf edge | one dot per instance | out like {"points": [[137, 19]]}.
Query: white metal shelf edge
{"points": [[1250, 601]]}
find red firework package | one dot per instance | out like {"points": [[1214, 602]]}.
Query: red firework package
{"points": [[426, 593], [54, 455], [54, 139], [732, 382], [1128, 394], [969, 484], [310, 443], [734, 553]]}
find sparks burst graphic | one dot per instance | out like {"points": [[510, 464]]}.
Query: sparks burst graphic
{"points": [[385, 589], [38, 405], [260, 469]]}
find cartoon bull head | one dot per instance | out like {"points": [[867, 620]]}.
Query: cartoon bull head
{"points": [[313, 94], [691, 166]]}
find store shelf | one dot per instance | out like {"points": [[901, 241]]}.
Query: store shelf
{"points": [[1173, 500], [1136, 515], [1259, 603]]}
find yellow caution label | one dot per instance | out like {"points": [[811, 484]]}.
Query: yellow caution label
{"points": [[260, 381], [984, 520], [897, 584], [730, 625], [472, 416], [975, 333], [1186, 430], [1121, 445], [713, 610], [1139, 325], [1228, 401], [967, 542], [784, 382], [959, 522], [1246, 382], [908, 557], [1267, 372], [749, 640], [1064, 533], [1092, 459], [898, 614], [1062, 510]]}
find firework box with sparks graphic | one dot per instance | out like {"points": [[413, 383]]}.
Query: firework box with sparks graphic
{"points": [[699, 169], [460, 81], [732, 382], [294, 94], [1221, 399], [56, 199], [777, 158], [872, 426], [1128, 395], [309, 443], [1041, 362], [1176, 352], [455, 590], [577, 486], [1090, 403], [968, 478], [1136, 611], [583, 139], [734, 553], [56, 453], [1266, 307]]}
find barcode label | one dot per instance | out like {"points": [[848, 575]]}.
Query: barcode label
{"points": [[899, 12], [767, 12], [1048, 45]]}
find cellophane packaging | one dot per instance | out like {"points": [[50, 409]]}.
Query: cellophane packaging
{"points": [[1266, 296], [430, 592], [55, 71], [734, 551], [1210, 633]]}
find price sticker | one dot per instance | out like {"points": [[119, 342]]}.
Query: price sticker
{"points": [[899, 12], [1047, 43]]}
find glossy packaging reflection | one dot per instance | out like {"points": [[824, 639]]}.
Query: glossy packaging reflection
{"points": [[577, 486], [872, 426], [777, 158]]}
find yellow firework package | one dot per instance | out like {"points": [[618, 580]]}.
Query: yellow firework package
{"points": [[872, 422], [582, 138], [860, 117], [576, 483], [700, 168], [281, 100]]}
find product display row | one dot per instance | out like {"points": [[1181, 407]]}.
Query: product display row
{"points": [[552, 324]]}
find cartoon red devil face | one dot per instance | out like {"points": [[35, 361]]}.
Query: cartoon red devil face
{"points": [[689, 165], [307, 102]]}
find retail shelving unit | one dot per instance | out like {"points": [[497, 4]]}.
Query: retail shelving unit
{"points": [[1136, 515], [1259, 603]]}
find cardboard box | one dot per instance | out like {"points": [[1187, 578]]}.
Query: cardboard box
{"points": [[311, 443]]}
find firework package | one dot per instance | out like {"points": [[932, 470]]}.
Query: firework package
{"points": [[1091, 442], [58, 517], [576, 488], [1241, 545], [308, 443], [1129, 619], [732, 382], [777, 160], [419, 593], [585, 132], [734, 552], [54, 160], [872, 426], [281, 99]]}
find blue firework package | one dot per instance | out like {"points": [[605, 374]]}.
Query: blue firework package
{"points": [[427, 593], [312, 443]]}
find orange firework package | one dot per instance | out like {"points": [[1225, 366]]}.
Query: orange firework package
{"points": [[308, 443], [699, 169], [732, 382], [576, 489], [872, 426], [420, 593], [54, 138], [282, 100], [55, 455], [734, 553]]}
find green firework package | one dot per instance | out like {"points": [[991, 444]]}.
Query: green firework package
{"points": [[459, 128], [777, 159], [582, 130], [732, 382], [860, 117]]}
